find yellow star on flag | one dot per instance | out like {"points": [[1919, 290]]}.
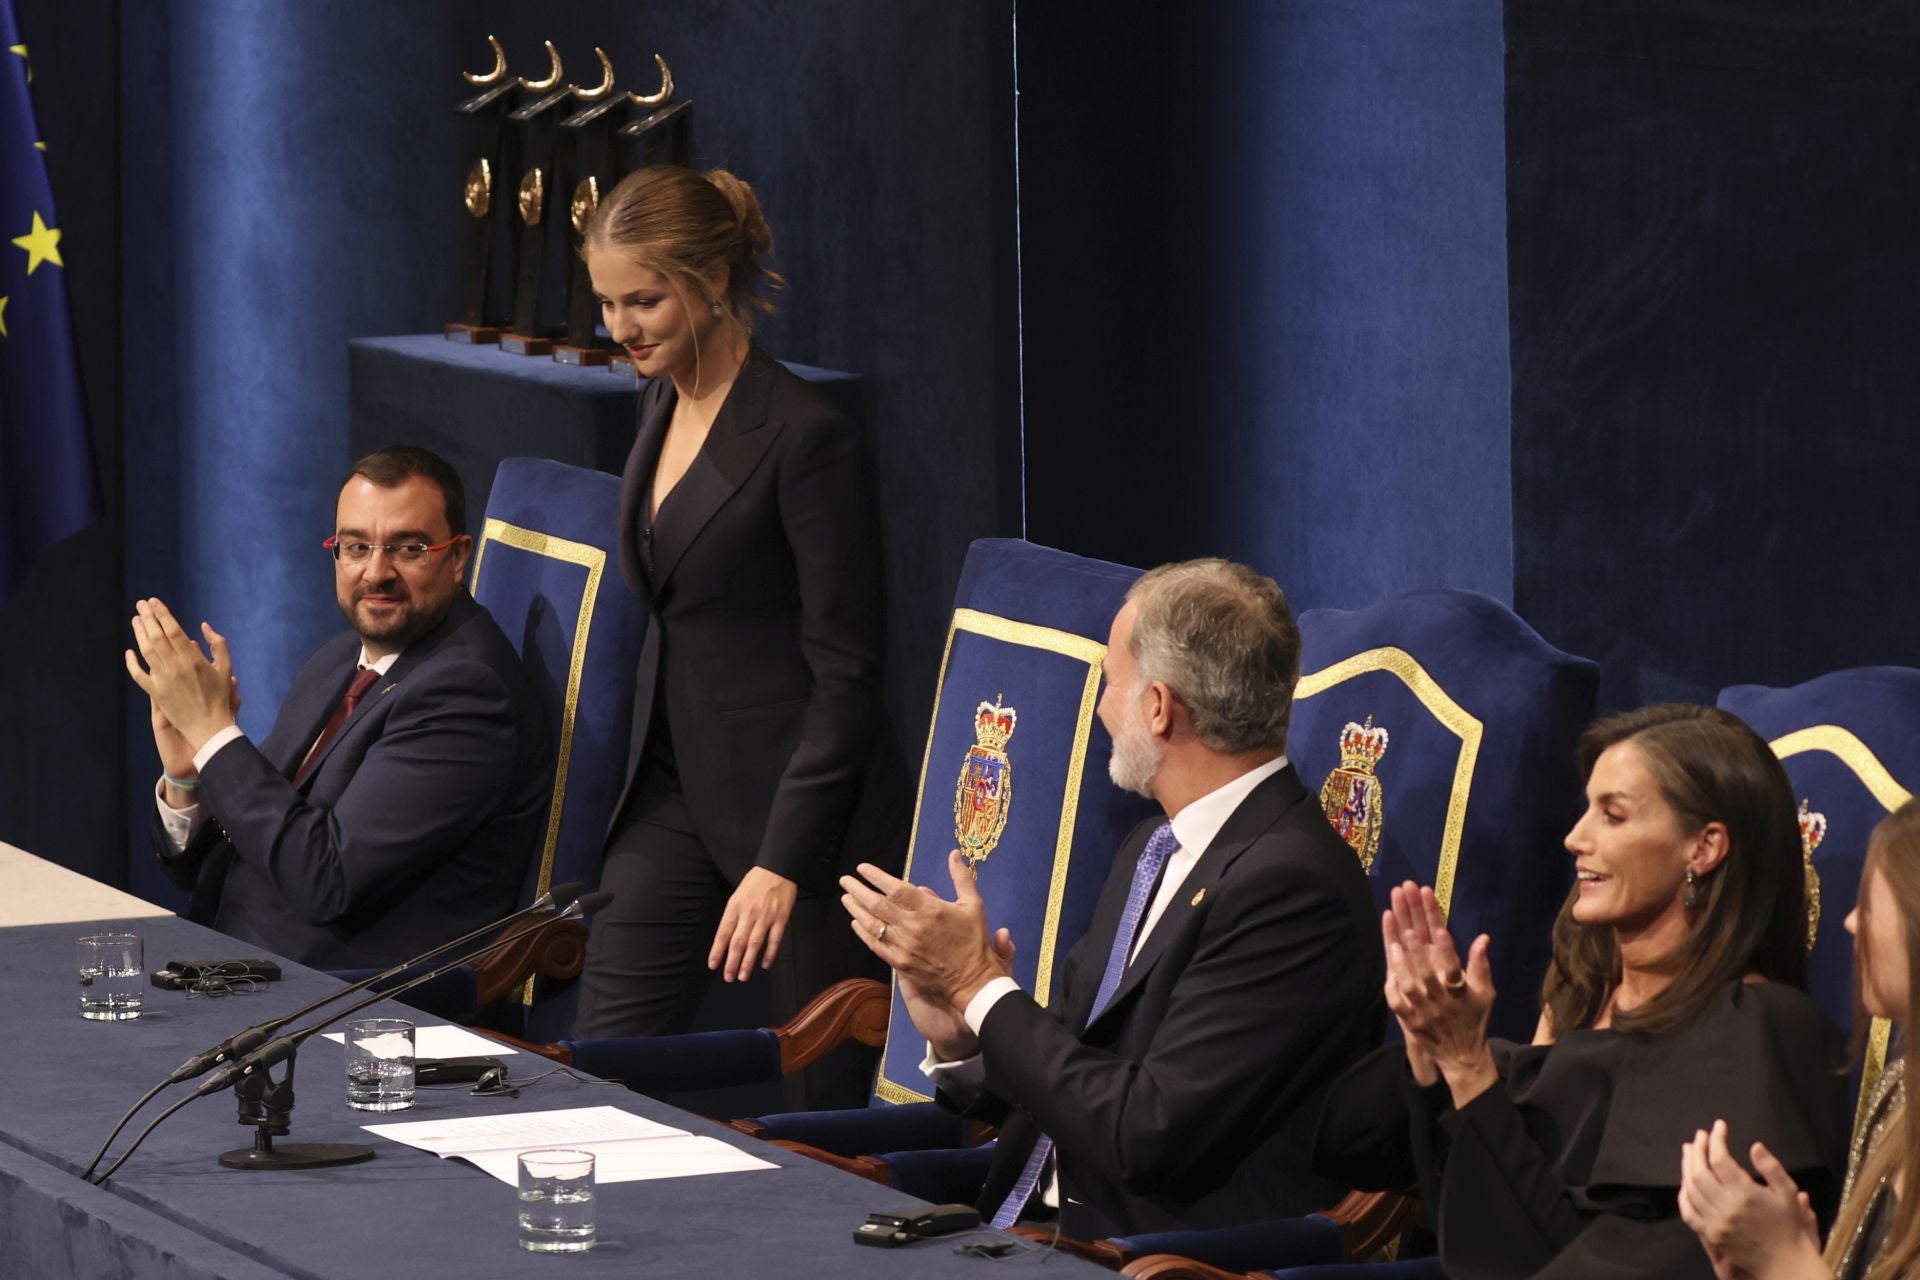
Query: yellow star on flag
{"points": [[3, 317], [22, 51], [42, 244]]}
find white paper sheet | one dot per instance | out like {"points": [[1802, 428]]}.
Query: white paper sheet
{"points": [[443, 1042], [626, 1147]]}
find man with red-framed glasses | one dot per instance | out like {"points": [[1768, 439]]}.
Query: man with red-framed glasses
{"points": [[402, 790]]}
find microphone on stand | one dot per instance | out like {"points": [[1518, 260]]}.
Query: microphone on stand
{"points": [[271, 1101], [241, 1043]]}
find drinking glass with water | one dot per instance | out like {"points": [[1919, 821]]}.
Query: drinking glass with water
{"points": [[556, 1201], [113, 978], [380, 1064]]}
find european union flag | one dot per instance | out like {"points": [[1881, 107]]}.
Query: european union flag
{"points": [[48, 486]]}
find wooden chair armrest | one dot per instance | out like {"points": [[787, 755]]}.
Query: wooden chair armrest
{"points": [[856, 1008], [1370, 1219], [551, 1052], [557, 951], [1101, 1252], [1171, 1266], [872, 1168]]}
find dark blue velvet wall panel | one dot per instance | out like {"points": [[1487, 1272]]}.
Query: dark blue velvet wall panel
{"points": [[1264, 281], [1712, 247]]}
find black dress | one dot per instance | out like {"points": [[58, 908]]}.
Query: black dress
{"points": [[1569, 1165]]}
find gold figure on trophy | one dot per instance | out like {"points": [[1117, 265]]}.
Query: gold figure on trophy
{"points": [[480, 188], [533, 197]]}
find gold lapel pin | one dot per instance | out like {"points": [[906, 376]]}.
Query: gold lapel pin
{"points": [[1198, 898]]}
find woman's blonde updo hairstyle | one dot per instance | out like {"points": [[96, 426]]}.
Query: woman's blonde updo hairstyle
{"points": [[687, 226]]}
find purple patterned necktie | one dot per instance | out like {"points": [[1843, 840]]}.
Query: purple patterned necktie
{"points": [[1146, 873]]}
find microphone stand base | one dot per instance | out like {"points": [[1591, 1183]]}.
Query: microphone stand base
{"points": [[298, 1155]]}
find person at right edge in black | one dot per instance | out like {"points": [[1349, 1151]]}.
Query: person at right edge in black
{"points": [[762, 762], [1676, 995]]}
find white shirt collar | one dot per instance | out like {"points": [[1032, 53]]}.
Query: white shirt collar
{"points": [[381, 665], [1196, 825]]}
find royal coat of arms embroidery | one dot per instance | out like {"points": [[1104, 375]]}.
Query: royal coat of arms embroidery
{"points": [[1813, 829], [986, 783], [1351, 795]]}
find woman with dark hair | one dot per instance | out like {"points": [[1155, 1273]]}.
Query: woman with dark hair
{"points": [[1763, 1230], [761, 759], [1675, 993]]}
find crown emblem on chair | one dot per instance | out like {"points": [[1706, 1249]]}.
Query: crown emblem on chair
{"points": [[985, 789], [1352, 796], [1813, 829]]}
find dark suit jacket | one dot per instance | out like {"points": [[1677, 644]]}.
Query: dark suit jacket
{"points": [[766, 630], [1191, 1100], [416, 823]]}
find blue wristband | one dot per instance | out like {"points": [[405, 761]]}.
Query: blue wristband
{"points": [[183, 784]]}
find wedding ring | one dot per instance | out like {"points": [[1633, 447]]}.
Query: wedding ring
{"points": [[882, 937], [1457, 980]]}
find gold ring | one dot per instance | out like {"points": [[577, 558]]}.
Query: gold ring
{"points": [[1457, 980], [882, 937]]}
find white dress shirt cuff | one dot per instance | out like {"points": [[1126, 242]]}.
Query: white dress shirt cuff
{"points": [[984, 999], [179, 824], [213, 745]]}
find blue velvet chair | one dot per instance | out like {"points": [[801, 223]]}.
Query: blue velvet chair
{"points": [[1015, 774], [1440, 730], [1850, 742], [545, 564]]}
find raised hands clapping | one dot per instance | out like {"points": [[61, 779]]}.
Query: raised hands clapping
{"points": [[1442, 1005]]}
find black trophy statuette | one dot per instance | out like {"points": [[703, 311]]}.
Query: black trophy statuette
{"points": [[586, 162], [537, 118], [660, 132], [494, 171]]}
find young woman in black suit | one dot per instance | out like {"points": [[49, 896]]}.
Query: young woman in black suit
{"points": [[760, 761]]}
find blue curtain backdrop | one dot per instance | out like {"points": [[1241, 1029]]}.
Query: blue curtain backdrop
{"points": [[1264, 277], [1714, 257]]}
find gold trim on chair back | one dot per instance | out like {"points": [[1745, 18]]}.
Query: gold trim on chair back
{"points": [[1069, 645], [1455, 718], [594, 561]]}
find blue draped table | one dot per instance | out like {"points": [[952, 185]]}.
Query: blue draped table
{"points": [[173, 1212], [475, 405]]}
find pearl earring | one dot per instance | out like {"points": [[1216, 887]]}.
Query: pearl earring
{"points": [[718, 311]]}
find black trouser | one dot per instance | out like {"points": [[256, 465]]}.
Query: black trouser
{"points": [[646, 965]]}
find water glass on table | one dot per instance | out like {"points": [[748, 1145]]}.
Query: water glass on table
{"points": [[380, 1064], [556, 1201], [113, 978]]}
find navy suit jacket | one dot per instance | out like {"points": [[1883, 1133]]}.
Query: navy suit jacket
{"points": [[1190, 1101], [414, 826], [766, 629]]}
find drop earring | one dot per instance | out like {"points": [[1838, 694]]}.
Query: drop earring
{"points": [[1693, 893], [718, 311]]}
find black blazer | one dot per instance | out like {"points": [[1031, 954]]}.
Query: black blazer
{"points": [[1190, 1102], [766, 630], [414, 826]]}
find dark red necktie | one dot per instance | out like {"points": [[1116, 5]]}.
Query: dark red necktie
{"points": [[362, 681]]}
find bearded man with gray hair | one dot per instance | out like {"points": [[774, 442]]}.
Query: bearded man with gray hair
{"points": [[1231, 971]]}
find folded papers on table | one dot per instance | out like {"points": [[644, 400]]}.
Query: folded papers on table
{"points": [[626, 1147]]}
